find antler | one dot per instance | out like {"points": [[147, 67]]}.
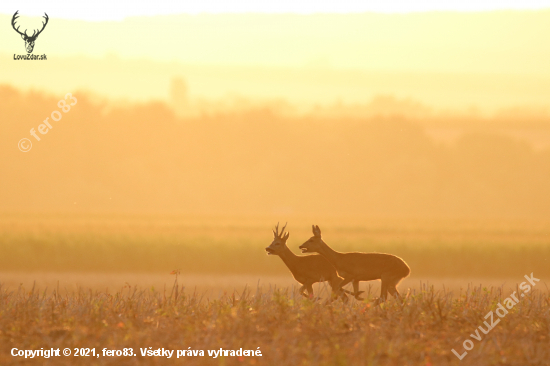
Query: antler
{"points": [[277, 233], [13, 19]]}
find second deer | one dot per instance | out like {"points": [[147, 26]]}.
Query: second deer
{"points": [[355, 267]]}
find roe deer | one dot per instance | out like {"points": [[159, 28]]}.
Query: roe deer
{"points": [[307, 269], [355, 267]]}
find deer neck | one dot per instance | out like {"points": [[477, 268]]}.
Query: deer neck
{"points": [[330, 254], [288, 257]]}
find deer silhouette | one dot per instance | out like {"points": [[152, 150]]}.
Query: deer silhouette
{"points": [[307, 269], [29, 40], [355, 267]]}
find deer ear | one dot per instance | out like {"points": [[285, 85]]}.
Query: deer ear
{"points": [[317, 231], [286, 236], [23, 36]]}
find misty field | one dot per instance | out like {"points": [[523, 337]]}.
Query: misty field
{"points": [[152, 244]]}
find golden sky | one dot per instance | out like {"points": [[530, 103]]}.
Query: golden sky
{"points": [[487, 60]]}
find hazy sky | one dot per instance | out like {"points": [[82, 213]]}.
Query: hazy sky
{"points": [[490, 60], [109, 10]]}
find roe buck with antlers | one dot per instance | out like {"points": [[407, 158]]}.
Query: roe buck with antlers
{"points": [[355, 267], [29, 40], [307, 269]]}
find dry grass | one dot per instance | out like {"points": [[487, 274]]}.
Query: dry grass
{"points": [[288, 329]]}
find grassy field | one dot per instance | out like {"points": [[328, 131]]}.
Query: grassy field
{"points": [[105, 283], [286, 329]]}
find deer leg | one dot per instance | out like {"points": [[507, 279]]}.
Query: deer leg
{"points": [[356, 291], [334, 282], [383, 292], [392, 289], [343, 283], [302, 291], [337, 291], [334, 295], [341, 290], [309, 288]]}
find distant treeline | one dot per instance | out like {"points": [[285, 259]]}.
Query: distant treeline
{"points": [[142, 158]]}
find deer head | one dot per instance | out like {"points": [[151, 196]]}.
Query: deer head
{"points": [[279, 241], [29, 40], [314, 243]]}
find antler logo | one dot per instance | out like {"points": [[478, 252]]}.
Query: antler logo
{"points": [[29, 40]]}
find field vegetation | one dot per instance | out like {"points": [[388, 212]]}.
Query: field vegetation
{"points": [[289, 329]]}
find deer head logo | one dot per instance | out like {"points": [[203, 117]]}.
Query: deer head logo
{"points": [[29, 40]]}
